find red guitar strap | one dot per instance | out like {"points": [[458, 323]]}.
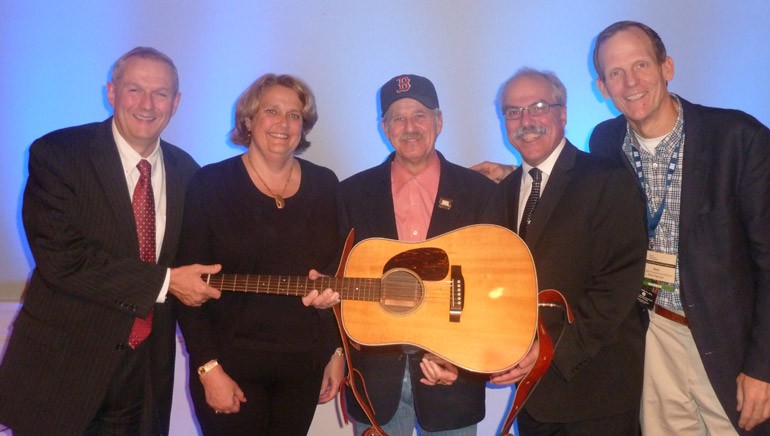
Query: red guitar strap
{"points": [[546, 298], [350, 380], [353, 373]]}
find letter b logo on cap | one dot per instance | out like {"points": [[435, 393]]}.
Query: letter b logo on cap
{"points": [[403, 84]]}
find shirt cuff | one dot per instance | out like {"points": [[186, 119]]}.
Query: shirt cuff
{"points": [[164, 289]]}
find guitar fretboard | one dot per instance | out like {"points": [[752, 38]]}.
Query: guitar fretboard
{"points": [[363, 289]]}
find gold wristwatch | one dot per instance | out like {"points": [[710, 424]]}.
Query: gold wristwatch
{"points": [[208, 366]]}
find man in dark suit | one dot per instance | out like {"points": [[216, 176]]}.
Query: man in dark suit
{"points": [[705, 173], [92, 349], [414, 195], [581, 218]]}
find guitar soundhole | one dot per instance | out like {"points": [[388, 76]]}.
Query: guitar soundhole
{"points": [[402, 291]]}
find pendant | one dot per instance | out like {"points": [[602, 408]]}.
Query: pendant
{"points": [[279, 203]]}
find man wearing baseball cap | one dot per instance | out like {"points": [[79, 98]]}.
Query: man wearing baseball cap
{"points": [[414, 195]]}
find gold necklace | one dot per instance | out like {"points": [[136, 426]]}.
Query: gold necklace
{"points": [[280, 203]]}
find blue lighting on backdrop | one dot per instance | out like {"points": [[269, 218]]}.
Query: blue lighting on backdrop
{"points": [[56, 57]]}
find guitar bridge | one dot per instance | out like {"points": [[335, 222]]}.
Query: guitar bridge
{"points": [[456, 294]]}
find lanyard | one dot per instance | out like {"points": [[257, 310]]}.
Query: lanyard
{"points": [[653, 219]]}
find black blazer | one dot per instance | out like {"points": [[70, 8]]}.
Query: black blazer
{"points": [[88, 286], [724, 241], [366, 204], [588, 241]]}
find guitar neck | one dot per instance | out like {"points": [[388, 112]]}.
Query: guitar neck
{"points": [[362, 289]]}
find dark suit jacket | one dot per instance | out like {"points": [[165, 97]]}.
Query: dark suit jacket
{"points": [[366, 204], [588, 241], [724, 240], [88, 286]]}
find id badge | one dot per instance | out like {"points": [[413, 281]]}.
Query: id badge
{"points": [[659, 275]]}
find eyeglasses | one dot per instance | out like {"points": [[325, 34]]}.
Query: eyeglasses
{"points": [[535, 109]]}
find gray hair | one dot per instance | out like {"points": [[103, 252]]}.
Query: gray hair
{"points": [[559, 91], [144, 53]]}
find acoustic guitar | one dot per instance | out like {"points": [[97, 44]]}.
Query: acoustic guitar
{"points": [[468, 296]]}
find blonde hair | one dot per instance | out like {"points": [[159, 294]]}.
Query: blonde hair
{"points": [[248, 105]]}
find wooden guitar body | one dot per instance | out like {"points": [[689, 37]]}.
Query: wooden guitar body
{"points": [[468, 296]]}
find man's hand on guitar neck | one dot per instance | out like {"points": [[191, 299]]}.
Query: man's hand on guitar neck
{"points": [[521, 369], [320, 300], [437, 371], [186, 285]]}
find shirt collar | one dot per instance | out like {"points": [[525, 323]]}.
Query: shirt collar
{"points": [[547, 165], [667, 143], [399, 176], [128, 156]]}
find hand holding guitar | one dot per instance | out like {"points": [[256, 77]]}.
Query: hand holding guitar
{"points": [[437, 371], [320, 300], [187, 285], [521, 369], [409, 302]]}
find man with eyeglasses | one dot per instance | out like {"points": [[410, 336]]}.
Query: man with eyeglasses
{"points": [[581, 217]]}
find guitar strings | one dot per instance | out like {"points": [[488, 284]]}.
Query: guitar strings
{"points": [[398, 287]]}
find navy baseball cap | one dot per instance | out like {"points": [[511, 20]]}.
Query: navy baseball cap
{"points": [[408, 86]]}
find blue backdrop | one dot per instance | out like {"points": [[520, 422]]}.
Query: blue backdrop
{"points": [[56, 58]]}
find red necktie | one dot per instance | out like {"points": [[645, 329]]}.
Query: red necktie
{"points": [[144, 215]]}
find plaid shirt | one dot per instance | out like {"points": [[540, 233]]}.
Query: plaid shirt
{"points": [[655, 167]]}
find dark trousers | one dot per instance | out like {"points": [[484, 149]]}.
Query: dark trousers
{"points": [[281, 392], [624, 424], [121, 409]]}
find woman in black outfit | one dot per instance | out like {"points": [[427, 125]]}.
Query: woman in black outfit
{"points": [[258, 361]]}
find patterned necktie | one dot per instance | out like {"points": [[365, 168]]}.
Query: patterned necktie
{"points": [[144, 215], [534, 196]]}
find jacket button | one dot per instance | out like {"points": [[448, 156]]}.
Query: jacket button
{"points": [[120, 347]]}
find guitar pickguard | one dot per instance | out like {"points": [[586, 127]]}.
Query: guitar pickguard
{"points": [[428, 263], [402, 289]]}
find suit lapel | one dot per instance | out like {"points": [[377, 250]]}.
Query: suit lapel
{"points": [[513, 192], [550, 197], [694, 168], [175, 193], [441, 220], [379, 196], [109, 171]]}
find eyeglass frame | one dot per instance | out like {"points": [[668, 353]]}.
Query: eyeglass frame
{"points": [[545, 107]]}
